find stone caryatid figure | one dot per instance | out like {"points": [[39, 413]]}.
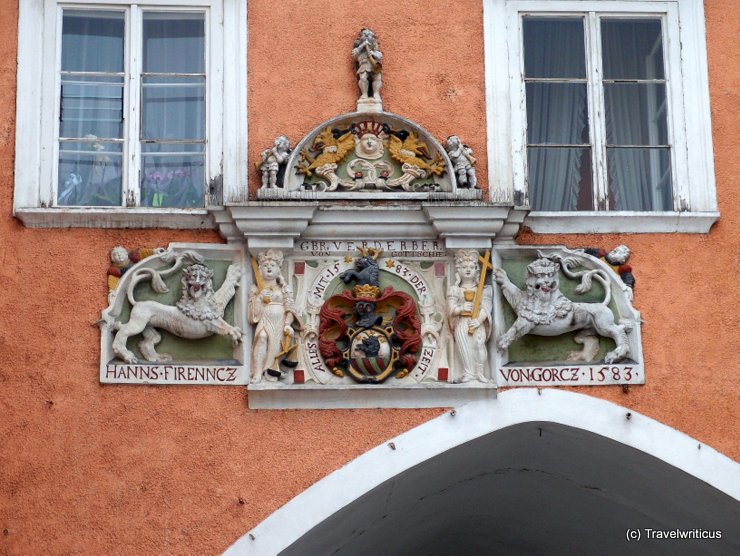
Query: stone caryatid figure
{"points": [[271, 309], [366, 53], [462, 159], [469, 306], [272, 159]]}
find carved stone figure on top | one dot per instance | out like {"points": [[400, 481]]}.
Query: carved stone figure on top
{"points": [[462, 157], [367, 55], [272, 159], [543, 310], [469, 308], [198, 314], [271, 309]]}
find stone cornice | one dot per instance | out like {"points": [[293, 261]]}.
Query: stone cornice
{"points": [[277, 224]]}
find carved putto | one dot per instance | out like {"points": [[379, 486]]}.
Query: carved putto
{"points": [[463, 162], [469, 306], [122, 260], [617, 259], [198, 314], [543, 310], [271, 310], [273, 159]]}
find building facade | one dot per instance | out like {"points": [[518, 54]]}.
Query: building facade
{"points": [[506, 135]]}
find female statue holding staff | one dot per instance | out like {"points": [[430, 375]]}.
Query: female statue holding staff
{"points": [[471, 328], [271, 308]]}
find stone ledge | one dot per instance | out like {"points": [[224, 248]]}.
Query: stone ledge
{"points": [[360, 396]]}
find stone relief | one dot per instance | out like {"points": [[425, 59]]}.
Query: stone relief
{"points": [[368, 156], [198, 313], [469, 306], [543, 310], [401, 314], [271, 310]]}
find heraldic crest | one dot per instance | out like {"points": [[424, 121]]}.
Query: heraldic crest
{"points": [[369, 333]]}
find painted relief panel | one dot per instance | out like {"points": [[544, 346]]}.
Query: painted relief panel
{"points": [[373, 316], [175, 317], [564, 317]]}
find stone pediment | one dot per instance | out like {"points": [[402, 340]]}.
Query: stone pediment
{"points": [[369, 155]]}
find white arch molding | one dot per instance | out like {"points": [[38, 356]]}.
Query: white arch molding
{"points": [[470, 422]]}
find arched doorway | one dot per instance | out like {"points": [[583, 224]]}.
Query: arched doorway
{"points": [[532, 472]]}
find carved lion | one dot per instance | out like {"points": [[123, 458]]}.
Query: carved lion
{"points": [[198, 313], [543, 310]]}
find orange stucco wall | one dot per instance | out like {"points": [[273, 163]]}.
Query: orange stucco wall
{"points": [[101, 469]]}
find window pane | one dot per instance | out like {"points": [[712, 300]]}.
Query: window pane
{"points": [[173, 108], [171, 176], [174, 43], [640, 179], [560, 178], [553, 47], [89, 173], [92, 41], [633, 48], [91, 105], [557, 113], [636, 114]]}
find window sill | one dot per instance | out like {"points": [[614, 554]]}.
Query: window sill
{"points": [[629, 222], [98, 217]]}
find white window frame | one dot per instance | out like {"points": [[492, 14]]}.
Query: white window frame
{"points": [[38, 89], [695, 201]]}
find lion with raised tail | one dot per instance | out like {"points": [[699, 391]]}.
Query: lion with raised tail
{"points": [[543, 310], [198, 314]]}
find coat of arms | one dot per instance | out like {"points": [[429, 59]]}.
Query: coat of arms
{"points": [[369, 333]]}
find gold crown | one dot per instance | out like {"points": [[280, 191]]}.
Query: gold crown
{"points": [[366, 292]]}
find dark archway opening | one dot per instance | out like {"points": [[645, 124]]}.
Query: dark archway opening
{"points": [[533, 488]]}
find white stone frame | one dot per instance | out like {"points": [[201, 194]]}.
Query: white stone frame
{"points": [[472, 421], [39, 23], [695, 199]]}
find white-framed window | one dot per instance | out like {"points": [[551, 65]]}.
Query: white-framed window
{"points": [[130, 113], [598, 114]]}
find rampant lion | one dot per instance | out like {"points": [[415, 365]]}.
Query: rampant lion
{"points": [[543, 310], [198, 313]]}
